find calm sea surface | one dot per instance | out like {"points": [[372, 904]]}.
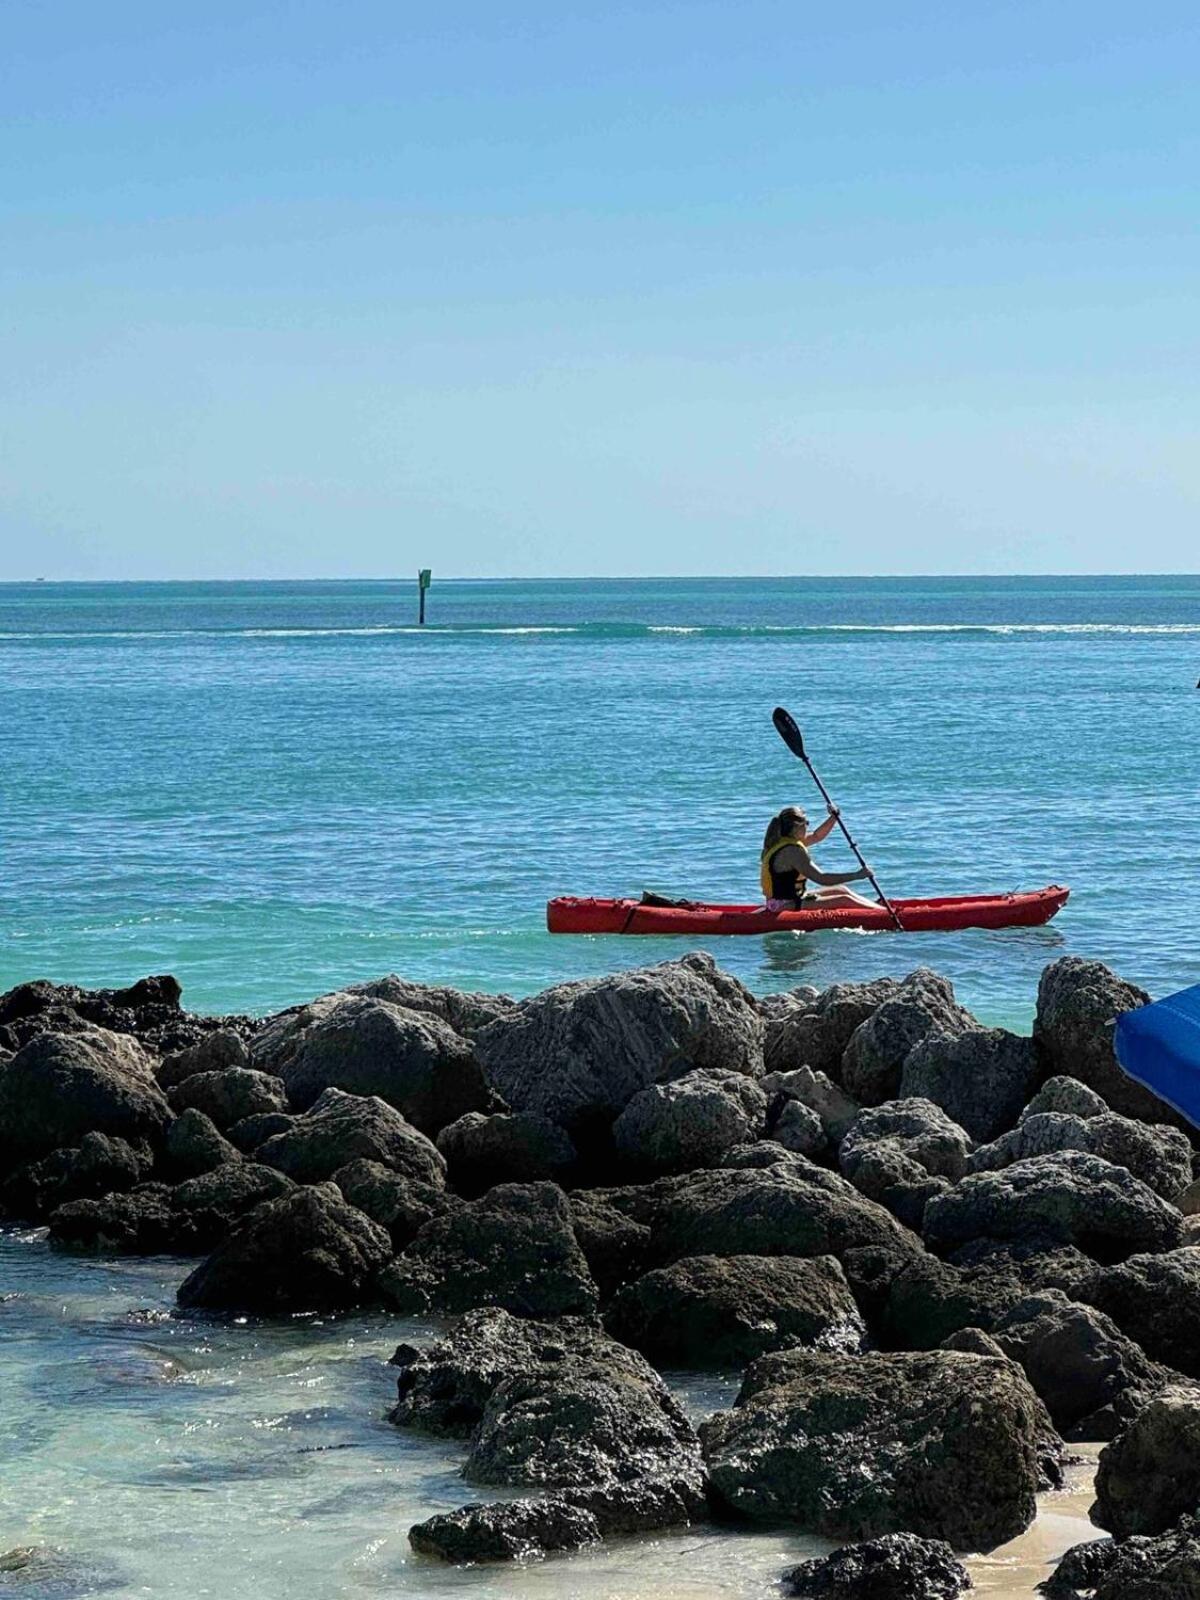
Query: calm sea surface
{"points": [[270, 789]]}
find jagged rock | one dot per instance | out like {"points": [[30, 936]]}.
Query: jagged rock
{"points": [[1066, 1095], [401, 1205], [578, 1053], [154, 1219], [725, 1311], [761, 1153], [194, 1146], [883, 1172], [506, 1530], [205, 1208], [870, 1271], [306, 1251], [616, 1248], [815, 1030], [341, 1128], [919, 1128], [59, 1087], [928, 1300], [900, 1566], [873, 1061], [1069, 1198], [798, 1128], [222, 1051], [1077, 1003], [944, 1445], [1162, 1568], [689, 1123], [1161, 1157], [252, 1132], [1155, 1299], [99, 1165], [815, 1092], [230, 1096], [506, 1147], [514, 1248], [368, 1047], [1149, 1476], [981, 1077], [148, 1009], [972, 1342]]}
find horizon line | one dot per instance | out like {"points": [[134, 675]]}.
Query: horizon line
{"points": [[648, 577]]}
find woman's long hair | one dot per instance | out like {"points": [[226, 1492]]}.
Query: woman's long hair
{"points": [[783, 825]]}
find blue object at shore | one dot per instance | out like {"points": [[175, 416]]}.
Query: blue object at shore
{"points": [[1159, 1045]]}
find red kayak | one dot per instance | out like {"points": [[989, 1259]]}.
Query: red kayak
{"points": [[1029, 909]]}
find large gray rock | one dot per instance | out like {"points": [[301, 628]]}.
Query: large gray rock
{"points": [[899, 1566], [1163, 1568], [874, 1060], [1149, 1476], [99, 1165], [221, 1051], [306, 1251], [1069, 1198], [59, 1087], [928, 1300], [981, 1078], [514, 1248], [1077, 1004], [944, 1445], [1068, 1095], [342, 1128], [154, 1219], [1155, 1299], [366, 1046], [615, 1246], [401, 1205], [690, 1123], [725, 1311], [814, 1092], [230, 1096], [1160, 1156], [578, 1053], [903, 1153], [814, 1029], [506, 1147], [505, 1530], [194, 1146]]}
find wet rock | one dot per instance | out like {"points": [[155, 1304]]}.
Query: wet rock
{"points": [[1069, 1198], [923, 1005], [222, 1051], [1155, 1299], [61, 1086], [616, 1248], [1077, 1004], [725, 1311], [815, 1092], [815, 1030], [230, 1096], [1149, 1476], [506, 1147], [369, 1047], [689, 1123], [514, 1248], [981, 1077], [1162, 1568], [900, 1566], [341, 1128], [205, 1208], [1161, 1157], [193, 1146], [141, 1222], [99, 1165], [578, 1053], [306, 1251], [944, 1445], [506, 1530], [401, 1205], [1065, 1095]]}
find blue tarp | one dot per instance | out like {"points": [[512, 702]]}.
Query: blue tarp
{"points": [[1159, 1045]]}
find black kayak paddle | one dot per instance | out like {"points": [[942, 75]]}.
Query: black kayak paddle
{"points": [[787, 729]]}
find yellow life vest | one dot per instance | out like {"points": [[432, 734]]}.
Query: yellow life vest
{"points": [[764, 864]]}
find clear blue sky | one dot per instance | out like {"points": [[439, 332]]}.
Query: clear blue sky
{"points": [[315, 289]]}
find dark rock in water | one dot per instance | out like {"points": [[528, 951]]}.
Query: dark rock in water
{"points": [[1162, 1568], [194, 1146], [725, 1311], [506, 1530], [342, 1128], [1068, 1198], [61, 1086], [1149, 1476], [206, 1207], [306, 1251], [578, 1053], [616, 1247], [514, 1248], [252, 1132], [1155, 1300], [44, 1573], [229, 1097], [148, 1009], [900, 1566], [506, 1147], [980, 1078], [367, 1046], [874, 1059], [1161, 1157], [1077, 1003], [401, 1205], [902, 1153], [99, 1165], [154, 1219], [689, 1123], [815, 1030], [943, 1445], [222, 1051], [1071, 1098]]}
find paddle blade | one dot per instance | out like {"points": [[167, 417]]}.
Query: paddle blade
{"points": [[785, 727]]}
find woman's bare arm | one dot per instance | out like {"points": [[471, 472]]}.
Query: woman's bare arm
{"points": [[822, 830], [827, 880]]}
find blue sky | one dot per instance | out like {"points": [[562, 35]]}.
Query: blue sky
{"points": [[317, 290]]}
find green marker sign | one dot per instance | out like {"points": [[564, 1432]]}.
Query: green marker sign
{"points": [[425, 577]]}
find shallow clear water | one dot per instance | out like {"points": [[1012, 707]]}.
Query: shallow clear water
{"points": [[270, 789], [181, 1459]]}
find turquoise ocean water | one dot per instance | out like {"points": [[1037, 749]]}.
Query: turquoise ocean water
{"points": [[272, 788]]}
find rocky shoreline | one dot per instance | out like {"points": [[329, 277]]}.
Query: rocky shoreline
{"points": [[938, 1253]]}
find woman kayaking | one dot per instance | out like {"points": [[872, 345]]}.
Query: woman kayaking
{"points": [[786, 868]]}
